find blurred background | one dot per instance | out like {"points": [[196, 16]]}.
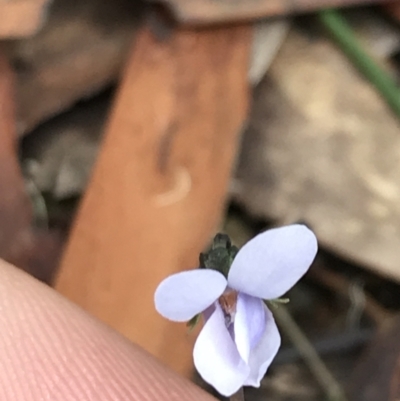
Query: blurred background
{"points": [[131, 133]]}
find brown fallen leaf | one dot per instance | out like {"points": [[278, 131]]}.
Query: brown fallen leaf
{"points": [[323, 147], [80, 50], [377, 376], [60, 153]]}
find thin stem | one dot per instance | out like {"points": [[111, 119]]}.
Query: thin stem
{"points": [[309, 354], [345, 38], [239, 396]]}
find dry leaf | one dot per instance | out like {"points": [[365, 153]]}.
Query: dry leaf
{"points": [[324, 148], [81, 50]]}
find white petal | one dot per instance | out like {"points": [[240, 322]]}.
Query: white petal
{"points": [[249, 324], [183, 295], [263, 354], [216, 357], [272, 262]]}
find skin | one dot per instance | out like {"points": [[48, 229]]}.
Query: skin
{"points": [[52, 350]]}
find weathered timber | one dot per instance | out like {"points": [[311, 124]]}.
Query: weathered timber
{"points": [[160, 181], [206, 12], [20, 18]]}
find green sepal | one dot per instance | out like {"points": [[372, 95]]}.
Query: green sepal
{"points": [[192, 323], [220, 255], [221, 241]]}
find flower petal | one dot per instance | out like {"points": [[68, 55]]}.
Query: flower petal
{"points": [[216, 357], [272, 262], [183, 295], [249, 324], [263, 354]]}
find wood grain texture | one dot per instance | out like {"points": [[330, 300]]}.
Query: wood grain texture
{"points": [[19, 18], [160, 182], [204, 12]]}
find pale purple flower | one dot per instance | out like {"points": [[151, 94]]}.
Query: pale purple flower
{"points": [[240, 338]]}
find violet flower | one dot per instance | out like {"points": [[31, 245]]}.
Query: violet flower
{"points": [[240, 338]]}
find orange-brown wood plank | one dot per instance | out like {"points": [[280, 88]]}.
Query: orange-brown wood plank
{"points": [[160, 182], [206, 12], [21, 17]]}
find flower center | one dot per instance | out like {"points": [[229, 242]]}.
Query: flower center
{"points": [[228, 302]]}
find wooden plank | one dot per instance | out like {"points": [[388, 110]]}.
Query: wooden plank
{"points": [[204, 12], [20, 18], [160, 181]]}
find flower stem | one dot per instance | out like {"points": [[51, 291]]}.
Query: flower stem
{"points": [[238, 396]]}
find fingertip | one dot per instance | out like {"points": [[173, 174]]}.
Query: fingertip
{"points": [[51, 349]]}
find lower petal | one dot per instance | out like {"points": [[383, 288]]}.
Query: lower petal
{"points": [[216, 357], [263, 354], [249, 324]]}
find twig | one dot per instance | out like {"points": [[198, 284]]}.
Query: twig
{"points": [[341, 285], [335, 344], [238, 396], [310, 356]]}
